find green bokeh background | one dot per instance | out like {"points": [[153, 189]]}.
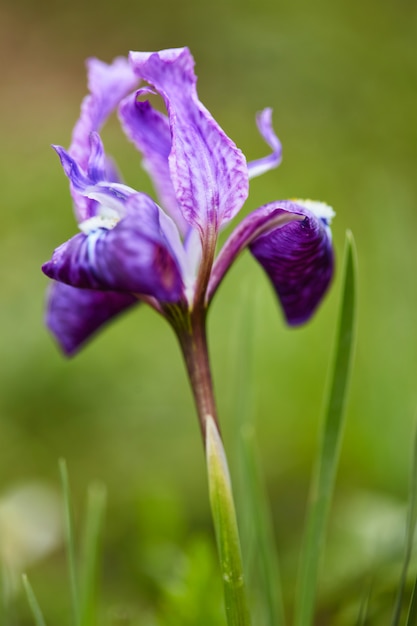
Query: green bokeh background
{"points": [[340, 77]]}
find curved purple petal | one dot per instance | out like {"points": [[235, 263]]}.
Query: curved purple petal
{"points": [[298, 259], [103, 194], [292, 242], [262, 220], [260, 166], [99, 167], [74, 315], [149, 131], [108, 84], [133, 257], [208, 171]]}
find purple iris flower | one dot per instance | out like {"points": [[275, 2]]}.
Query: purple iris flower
{"points": [[131, 249]]}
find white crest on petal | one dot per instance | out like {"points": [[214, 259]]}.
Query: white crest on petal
{"points": [[321, 210], [193, 252], [107, 219]]}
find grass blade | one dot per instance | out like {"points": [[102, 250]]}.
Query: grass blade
{"points": [[261, 562], [264, 544], [326, 461], [409, 535], [70, 541], [33, 602], [365, 604], [96, 505], [412, 610]]}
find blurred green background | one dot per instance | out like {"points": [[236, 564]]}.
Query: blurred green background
{"points": [[340, 77]]}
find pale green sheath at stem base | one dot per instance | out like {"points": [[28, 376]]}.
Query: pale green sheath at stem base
{"points": [[224, 518]]}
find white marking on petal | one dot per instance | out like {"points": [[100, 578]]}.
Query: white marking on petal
{"points": [[193, 252], [107, 219], [321, 210]]}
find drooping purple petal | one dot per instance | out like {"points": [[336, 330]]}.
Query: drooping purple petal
{"points": [[262, 220], [292, 242], [149, 131], [299, 261], [260, 166], [74, 315], [134, 257], [208, 171]]}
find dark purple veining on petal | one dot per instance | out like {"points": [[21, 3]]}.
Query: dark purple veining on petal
{"points": [[74, 315], [149, 131], [264, 219], [299, 261], [134, 256], [208, 172], [121, 259]]}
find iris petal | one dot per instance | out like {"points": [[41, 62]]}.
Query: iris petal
{"points": [[293, 245], [108, 84], [208, 171], [74, 315], [134, 257], [260, 166], [149, 131], [299, 261]]}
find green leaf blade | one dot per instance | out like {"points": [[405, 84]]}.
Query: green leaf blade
{"points": [[260, 551], [33, 602], [96, 504], [324, 472], [70, 541]]}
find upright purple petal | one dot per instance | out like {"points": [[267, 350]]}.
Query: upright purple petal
{"points": [[298, 259], [108, 84], [149, 131], [74, 315], [208, 172], [260, 166]]}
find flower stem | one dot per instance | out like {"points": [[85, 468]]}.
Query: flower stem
{"points": [[193, 341]]}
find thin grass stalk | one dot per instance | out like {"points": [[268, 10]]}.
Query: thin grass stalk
{"points": [[412, 609], [365, 604], [409, 535], [96, 504], [324, 471], [260, 552], [70, 542], [33, 602]]}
